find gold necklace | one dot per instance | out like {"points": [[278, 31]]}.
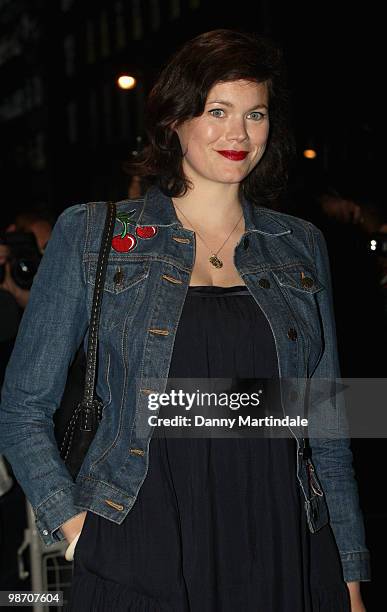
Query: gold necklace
{"points": [[214, 259]]}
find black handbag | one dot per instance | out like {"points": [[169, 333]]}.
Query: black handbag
{"points": [[77, 418]]}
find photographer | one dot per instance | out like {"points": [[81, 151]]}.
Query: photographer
{"points": [[22, 244], [25, 223]]}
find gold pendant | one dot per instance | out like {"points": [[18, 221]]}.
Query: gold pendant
{"points": [[216, 262]]}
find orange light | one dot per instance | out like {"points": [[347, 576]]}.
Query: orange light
{"points": [[310, 154], [126, 82]]}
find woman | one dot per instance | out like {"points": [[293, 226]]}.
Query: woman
{"points": [[204, 281]]}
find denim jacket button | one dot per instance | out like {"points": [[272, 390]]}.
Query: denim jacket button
{"points": [[292, 334], [307, 282], [118, 277], [264, 283]]}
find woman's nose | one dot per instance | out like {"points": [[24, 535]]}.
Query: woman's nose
{"points": [[236, 130]]}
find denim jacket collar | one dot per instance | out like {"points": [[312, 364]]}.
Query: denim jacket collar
{"points": [[158, 210]]}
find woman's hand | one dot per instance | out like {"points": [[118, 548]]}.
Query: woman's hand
{"points": [[357, 604], [73, 526]]}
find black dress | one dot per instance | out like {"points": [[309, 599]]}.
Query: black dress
{"points": [[218, 524]]}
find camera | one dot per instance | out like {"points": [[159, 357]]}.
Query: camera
{"points": [[24, 257]]}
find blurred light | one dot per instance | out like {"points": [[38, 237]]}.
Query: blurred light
{"points": [[373, 247], [373, 243], [126, 82], [310, 154]]}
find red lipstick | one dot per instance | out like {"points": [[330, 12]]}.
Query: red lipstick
{"points": [[234, 155]]}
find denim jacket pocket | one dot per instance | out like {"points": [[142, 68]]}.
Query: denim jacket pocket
{"points": [[121, 289], [120, 276], [300, 285], [301, 277]]}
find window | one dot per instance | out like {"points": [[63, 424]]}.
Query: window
{"points": [[69, 53], [154, 14], [90, 43], [174, 9], [93, 114], [28, 94], [107, 111], [38, 160], [136, 20], [13, 106], [124, 114], [105, 38], [66, 5], [72, 128], [140, 96], [37, 88], [120, 25]]}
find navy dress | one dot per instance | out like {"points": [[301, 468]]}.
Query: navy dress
{"points": [[218, 524]]}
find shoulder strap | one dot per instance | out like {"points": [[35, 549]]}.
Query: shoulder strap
{"points": [[92, 345]]}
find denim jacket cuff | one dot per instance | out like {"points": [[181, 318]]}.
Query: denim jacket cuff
{"points": [[356, 566], [53, 512]]}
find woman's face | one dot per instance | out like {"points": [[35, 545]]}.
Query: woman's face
{"points": [[228, 140]]}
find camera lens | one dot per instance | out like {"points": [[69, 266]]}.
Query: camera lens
{"points": [[23, 271]]}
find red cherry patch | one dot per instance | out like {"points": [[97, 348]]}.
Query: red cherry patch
{"points": [[124, 244], [146, 231]]}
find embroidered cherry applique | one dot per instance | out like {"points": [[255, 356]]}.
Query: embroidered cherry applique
{"points": [[124, 242], [146, 231]]}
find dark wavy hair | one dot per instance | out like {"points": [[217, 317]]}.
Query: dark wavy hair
{"points": [[181, 91]]}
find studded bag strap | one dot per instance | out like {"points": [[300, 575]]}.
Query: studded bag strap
{"points": [[92, 345]]}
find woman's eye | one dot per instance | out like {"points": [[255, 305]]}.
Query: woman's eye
{"points": [[256, 115], [216, 112]]}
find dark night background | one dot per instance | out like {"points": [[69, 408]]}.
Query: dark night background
{"points": [[66, 129]]}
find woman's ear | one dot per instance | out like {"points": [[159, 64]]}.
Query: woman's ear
{"points": [[173, 126]]}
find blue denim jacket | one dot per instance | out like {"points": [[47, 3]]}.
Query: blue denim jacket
{"points": [[140, 314]]}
